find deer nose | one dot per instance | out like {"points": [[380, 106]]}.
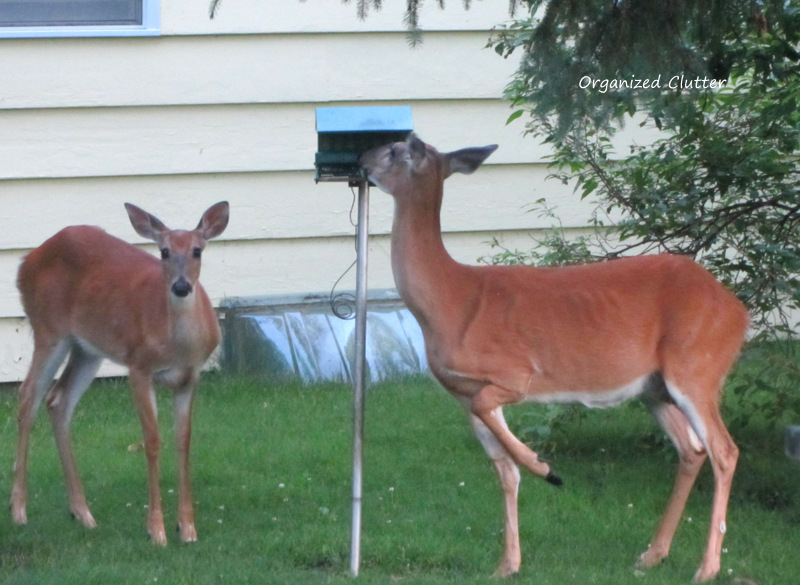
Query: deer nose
{"points": [[181, 287]]}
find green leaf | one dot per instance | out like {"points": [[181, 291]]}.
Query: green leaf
{"points": [[516, 114]]}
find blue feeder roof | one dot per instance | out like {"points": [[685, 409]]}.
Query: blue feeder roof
{"points": [[365, 119]]}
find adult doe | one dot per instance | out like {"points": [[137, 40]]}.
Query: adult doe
{"points": [[657, 327]]}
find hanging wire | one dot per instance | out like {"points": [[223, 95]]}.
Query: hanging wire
{"points": [[343, 304]]}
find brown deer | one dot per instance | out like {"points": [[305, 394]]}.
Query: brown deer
{"points": [[658, 327], [90, 296]]}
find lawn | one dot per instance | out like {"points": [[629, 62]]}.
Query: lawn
{"points": [[271, 478]]}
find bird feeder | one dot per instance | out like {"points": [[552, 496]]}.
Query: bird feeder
{"points": [[343, 134]]}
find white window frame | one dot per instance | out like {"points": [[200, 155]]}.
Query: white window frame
{"points": [[151, 26]]}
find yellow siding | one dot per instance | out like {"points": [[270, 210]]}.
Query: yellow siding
{"points": [[224, 109], [248, 69]]}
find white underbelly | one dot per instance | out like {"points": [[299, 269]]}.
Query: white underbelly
{"points": [[594, 398]]}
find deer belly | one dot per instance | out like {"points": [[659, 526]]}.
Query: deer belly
{"points": [[593, 398], [176, 377]]}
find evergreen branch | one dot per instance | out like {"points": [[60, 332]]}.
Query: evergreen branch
{"points": [[213, 7]]}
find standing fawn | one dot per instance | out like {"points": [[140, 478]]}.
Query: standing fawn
{"points": [[657, 327], [89, 296]]}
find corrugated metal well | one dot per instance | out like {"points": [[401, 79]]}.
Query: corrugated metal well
{"points": [[300, 338]]}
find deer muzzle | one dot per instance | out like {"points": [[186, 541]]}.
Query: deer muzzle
{"points": [[181, 287]]}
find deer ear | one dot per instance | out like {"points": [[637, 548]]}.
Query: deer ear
{"points": [[467, 160], [416, 150], [214, 220], [146, 225]]}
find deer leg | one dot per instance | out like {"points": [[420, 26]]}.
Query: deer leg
{"points": [[183, 400], [74, 381], [145, 399], [723, 454], [486, 405], [692, 455], [44, 364], [508, 473]]}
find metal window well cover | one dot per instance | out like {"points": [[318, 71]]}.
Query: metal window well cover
{"points": [[285, 338], [343, 133]]}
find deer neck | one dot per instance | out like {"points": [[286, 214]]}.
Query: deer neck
{"points": [[192, 337], [423, 270]]}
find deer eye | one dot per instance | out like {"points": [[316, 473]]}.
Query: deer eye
{"points": [[165, 253], [197, 252]]}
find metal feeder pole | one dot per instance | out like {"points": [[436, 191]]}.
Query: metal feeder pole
{"points": [[343, 135], [360, 371]]}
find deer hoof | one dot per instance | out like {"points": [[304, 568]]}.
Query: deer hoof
{"points": [[505, 570], [650, 558], [704, 574], [19, 517], [188, 533], [553, 479], [84, 517], [158, 537]]}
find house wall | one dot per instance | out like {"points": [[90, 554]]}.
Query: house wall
{"points": [[224, 109]]}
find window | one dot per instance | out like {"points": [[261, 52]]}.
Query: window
{"points": [[76, 18]]}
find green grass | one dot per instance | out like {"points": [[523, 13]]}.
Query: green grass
{"points": [[271, 477]]}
